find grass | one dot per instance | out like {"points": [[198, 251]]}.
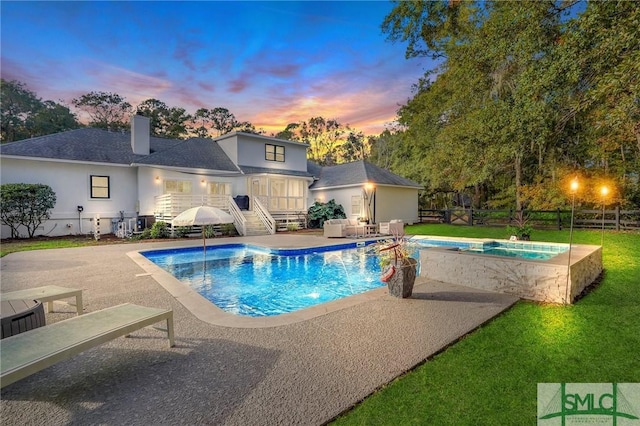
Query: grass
{"points": [[490, 376], [43, 243]]}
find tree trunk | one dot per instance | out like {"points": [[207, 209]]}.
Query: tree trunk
{"points": [[517, 164]]}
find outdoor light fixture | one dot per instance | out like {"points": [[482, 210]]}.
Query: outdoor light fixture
{"points": [[603, 191], [157, 179], [574, 189], [203, 182]]}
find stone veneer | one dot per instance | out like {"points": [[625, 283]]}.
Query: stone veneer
{"points": [[540, 280]]}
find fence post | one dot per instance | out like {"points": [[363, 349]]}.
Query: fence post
{"points": [[617, 218], [559, 221], [470, 220], [447, 216]]}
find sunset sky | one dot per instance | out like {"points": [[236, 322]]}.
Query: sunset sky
{"points": [[269, 63]]}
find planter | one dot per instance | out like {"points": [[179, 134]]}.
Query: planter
{"points": [[400, 277]]}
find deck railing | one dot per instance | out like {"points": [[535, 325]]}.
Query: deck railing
{"points": [[168, 206], [239, 220], [264, 216]]}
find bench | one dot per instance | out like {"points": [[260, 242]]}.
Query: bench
{"points": [[29, 352], [46, 294]]}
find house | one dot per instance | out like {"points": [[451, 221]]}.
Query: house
{"points": [[366, 191], [119, 182]]}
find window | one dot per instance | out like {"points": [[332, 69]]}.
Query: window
{"points": [[218, 188], [177, 187], [99, 186], [356, 205], [274, 153]]}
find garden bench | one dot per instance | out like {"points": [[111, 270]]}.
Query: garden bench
{"points": [[29, 352]]}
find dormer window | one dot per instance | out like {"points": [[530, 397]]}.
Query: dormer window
{"points": [[274, 153]]}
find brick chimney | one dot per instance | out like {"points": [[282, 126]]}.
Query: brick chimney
{"points": [[140, 127]]}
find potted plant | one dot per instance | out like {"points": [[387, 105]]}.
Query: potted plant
{"points": [[398, 267]]}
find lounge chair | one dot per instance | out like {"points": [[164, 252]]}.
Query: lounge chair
{"points": [[29, 352], [46, 294]]}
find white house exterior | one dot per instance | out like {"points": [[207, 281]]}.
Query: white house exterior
{"points": [[127, 179], [367, 191]]}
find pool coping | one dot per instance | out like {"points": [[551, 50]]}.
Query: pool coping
{"points": [[208, 312]]}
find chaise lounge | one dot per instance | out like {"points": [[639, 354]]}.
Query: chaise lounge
{"points": [[27, 353]]}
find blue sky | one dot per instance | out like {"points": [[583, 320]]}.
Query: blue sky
{"points": [[269, 63]]}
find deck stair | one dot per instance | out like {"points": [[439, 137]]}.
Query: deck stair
{"points": [[253, 224]]}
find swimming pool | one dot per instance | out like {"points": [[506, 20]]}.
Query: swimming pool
{"points": [[257, 281]]}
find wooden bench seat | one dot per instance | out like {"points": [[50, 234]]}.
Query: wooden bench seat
{"points": [[46, 294], [29, 352]]}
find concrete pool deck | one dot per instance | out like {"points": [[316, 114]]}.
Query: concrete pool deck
{"points": [[303, 372]]}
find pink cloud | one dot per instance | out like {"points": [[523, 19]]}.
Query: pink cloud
{"points": [[238, 85], [206, 86]]}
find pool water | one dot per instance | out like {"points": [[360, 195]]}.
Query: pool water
{"points": [[521, 250], [255, 281]]}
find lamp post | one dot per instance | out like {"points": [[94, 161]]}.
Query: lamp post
{"points": [[603, 191], [574, 189]]}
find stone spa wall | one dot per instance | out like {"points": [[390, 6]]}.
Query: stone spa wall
{"points": [[540, 280]]}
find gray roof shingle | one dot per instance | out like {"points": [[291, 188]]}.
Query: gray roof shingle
{"points": [[357, 173], [195, 153], [102, 146]]}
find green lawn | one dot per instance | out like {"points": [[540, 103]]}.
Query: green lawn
{"points": [[27, 245], [490, 376]]}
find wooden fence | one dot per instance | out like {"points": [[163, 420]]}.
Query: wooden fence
{"points": [[613, 219]]}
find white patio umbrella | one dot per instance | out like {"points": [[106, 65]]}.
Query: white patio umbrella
{"points": [[202, 215]]}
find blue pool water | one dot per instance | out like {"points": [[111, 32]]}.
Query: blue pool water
{"points": [[521, 250], [255, 281]]}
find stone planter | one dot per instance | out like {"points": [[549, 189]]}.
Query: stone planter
{"points": [[402, 277]]}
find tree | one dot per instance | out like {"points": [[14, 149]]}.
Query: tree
{"points": [[18, 103], [202, 117], [525, 93], [355, 148], [165, 121], [52, 118], [25, 205], [24, 115], [222, 120], [106, 110]]}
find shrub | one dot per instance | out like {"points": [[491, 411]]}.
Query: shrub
{"points": [[160, 230], [25, 204], [182, 231], [319, 212], [228, 229]]}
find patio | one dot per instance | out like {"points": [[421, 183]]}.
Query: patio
{"points": [[301, 373]]}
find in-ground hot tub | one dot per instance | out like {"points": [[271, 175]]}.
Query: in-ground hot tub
{"points": [[473, 263]]}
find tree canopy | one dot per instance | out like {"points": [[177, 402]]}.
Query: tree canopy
{"points": [[526, 95], [24, 115]]}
